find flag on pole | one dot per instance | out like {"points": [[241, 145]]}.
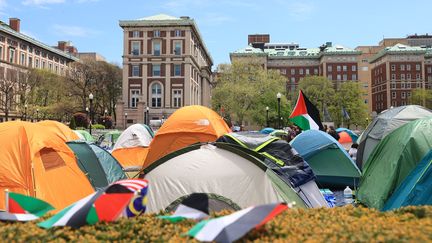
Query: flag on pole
{"points": [[234, 226], [195, 206], [345, 114], [305, 114], [23, 208]]}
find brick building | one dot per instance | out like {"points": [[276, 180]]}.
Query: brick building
{"points": [[166, 65], [19, 53]]}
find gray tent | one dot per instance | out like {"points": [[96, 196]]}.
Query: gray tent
{"points": [[383, 124]]}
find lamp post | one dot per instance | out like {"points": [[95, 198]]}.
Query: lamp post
{"points": [[25, 112], [267, 120], [37, 114], [278, 96], [91, 111], [125, 123], [147, 120]]}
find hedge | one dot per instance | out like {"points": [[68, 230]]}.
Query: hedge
{"points": [[345, 224]]}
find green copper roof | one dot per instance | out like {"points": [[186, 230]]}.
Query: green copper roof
{"points": [[298, 53], [160, 17], [338, 49], [248, 50], [399, 49], [428, 52]]}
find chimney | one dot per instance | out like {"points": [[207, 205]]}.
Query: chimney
{"points": [[14, 23], [62, 45]]}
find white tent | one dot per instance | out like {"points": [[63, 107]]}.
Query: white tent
{"points": [[232, 175], [137, 135]]}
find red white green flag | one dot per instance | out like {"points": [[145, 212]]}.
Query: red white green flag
{"points": [[305, 114], [24, 208]]}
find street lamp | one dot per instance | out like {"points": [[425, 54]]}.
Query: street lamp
{"points": [[105, 112], [125, 123], [267, 120], [147, 116], [37, 114], [91, 111], [278, 96], [25, 112]]}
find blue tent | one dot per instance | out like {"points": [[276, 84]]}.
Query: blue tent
{"points": [[328, 159], [352, 134], [267, 130], [416, 189]]}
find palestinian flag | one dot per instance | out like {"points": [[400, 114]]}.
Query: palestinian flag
{"points": [[195, 206], [305, 114], [105, 205], [234, 226], [23, 208]]}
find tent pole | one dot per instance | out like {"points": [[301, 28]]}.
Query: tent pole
{"points": [[7, 200]]}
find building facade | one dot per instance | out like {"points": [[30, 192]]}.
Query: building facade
{"points": [[18, 54], [166, 65]]}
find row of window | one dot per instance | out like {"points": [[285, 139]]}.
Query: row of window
{"points": [[403, 67], [301, 71], [156, 33], [156, 48], [404, 85], [156, 70], [402, 103], [343, 77], [404, 95], [407, 77], [341, 68], [156, 96]]}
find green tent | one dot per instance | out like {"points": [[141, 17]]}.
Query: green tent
{"points": [[109, 139], [100, 166], [392, 160], [84, 135]]}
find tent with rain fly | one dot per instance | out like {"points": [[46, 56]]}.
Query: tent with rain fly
{"points": [[328, 159], [416, 189], [84, 135], [346, 135], [228, 175], [392, 160], [280, 157], [132, 146], [186, 126], [108, 140], [98, 165], [36, 161], [383, 124]]}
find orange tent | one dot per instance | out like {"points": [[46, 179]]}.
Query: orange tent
{"points": [[186, 126], [60, 129], [36, 161], [344, 137], [129, 157]]}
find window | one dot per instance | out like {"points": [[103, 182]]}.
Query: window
{"points": [[37, 63], [177, 33], [135, 34], [177, 69], [393, 85], [177, 48], [338, 68], [156, 48], [23, 58], [135, 70], [408, 85], [30, 62], [403, 85], [177, 97], [419, 84], [402, 76], [429, 69], [156, 69], [408, 67], [316, 71], [403, 95], [402, 67], [417, 67], [11, 55], [344, 77], [50, 66], [338, 77], [307, 71], [354, 77], [292, 71], [418, 77], [344, 67], [292, 80], [329, 77], [329, 68], [156, 95], [1, 52], [43, 64], [408, 94], [408, 76], [353, 68], [135, 48], [282, 71], [394, 95], [394, 103], [56, 69], [393, 76], [156, 33], [393, 67], [301, 71], [134, 97]]}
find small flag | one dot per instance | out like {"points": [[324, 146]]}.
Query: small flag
{"points": [[24, 208], [195, 206], [305, 114], [234, 226], [345, 114], [138, 203], [105, 205]]}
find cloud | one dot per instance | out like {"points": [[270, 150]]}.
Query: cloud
{"points": [[74, 31], [42, 2]]}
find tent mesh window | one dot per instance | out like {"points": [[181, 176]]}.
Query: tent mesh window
{"points": [[217, 203], [51, 159]]}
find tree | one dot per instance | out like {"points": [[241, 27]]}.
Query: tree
{"points": [[244, 89], [319, 91], [8, 91], [421, 97]]}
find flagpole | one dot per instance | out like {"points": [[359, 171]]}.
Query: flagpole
{"points": [[7, 199]]}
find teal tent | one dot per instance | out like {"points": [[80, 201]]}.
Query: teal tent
{"points": [[100, 166], [84, 135], [392, 160], [416, 189], [328, 159]]}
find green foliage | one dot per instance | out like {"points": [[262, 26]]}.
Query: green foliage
{"points": [[97, 126], [72, 124], [244, 89], [421, 97]]}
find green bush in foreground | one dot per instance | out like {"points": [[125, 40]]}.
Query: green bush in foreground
{"points": [[346, 224]]}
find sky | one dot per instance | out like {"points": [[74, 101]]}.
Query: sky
{"points": [[93, 25]]}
